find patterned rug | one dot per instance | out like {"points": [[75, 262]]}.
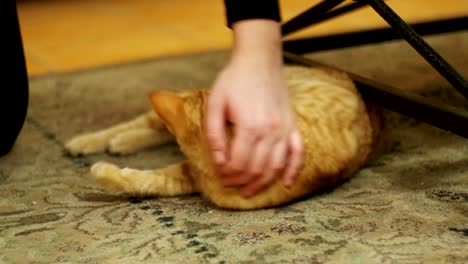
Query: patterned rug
{"points": [[409, 206]]}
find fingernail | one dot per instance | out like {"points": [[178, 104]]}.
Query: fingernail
{"points": [[246, 194], [225, 183], [224, 170], [287, 183], [219, 157]]}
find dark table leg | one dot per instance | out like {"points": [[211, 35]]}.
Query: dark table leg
{"points": [[14, 87], [421, 46], [442, 116], [364, 37]]}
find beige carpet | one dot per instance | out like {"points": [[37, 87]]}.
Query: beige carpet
{"points": [[410, 206]]}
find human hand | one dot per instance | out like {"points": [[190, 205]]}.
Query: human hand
{"points": [[251, 94]]}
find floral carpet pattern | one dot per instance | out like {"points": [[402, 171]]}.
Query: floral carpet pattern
{"points": [[409, 206]]}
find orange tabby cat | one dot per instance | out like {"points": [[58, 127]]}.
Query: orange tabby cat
{"points": [[339, 132]]}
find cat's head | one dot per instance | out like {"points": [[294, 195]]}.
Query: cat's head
{"points": [[182, 113]]}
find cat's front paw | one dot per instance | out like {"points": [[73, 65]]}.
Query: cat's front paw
{"points": [[121, 145], [107, 175], [86, 144], [103, 169]]}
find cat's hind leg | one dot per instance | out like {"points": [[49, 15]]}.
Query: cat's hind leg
{"points": [[169, 181], [100, 141]]}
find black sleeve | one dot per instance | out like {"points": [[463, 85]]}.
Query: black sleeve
{"points": [[237, 10]]}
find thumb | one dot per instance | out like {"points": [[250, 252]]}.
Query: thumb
{"points": [[215, 126]]}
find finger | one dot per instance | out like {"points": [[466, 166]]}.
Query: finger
{"points": [[235, 180], [275, 165], [279, 155], [242, 147], [261, 155], [216, 128], [296, 150], [260, 183], [255, 167]]}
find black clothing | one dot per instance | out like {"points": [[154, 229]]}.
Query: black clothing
{"points": [[14, 91], [237, 10]]}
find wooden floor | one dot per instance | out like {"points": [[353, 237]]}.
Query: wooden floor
{"points": [[68, 35]]}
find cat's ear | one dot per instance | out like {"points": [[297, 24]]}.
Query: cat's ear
{"points": [[169, 107]]}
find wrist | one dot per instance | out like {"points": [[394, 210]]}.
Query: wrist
{"points": [[257, 41]]}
